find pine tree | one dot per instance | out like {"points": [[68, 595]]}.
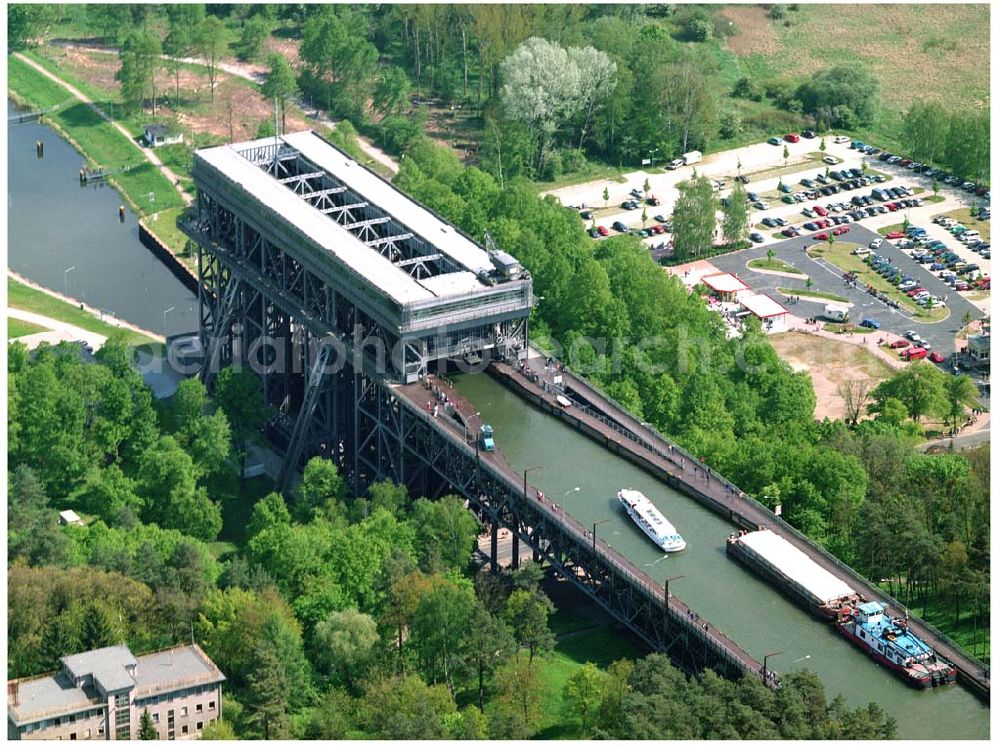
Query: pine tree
{"points": [[147, 730], [267, 696]]}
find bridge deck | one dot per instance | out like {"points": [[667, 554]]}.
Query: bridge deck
{"points": [[426, 393], [659, 454]]}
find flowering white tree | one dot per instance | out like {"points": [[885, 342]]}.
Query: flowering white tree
{"points": [[545, 86]]}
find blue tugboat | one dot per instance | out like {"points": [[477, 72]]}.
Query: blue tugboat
{"points": [[889, 641]]}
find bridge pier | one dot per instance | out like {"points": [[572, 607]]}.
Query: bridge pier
{"points": [[494, 533]]}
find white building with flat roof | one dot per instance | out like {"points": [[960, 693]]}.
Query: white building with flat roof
{"points": [[773, 316], [102, 694]]}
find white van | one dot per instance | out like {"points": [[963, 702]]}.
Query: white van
{"points": [[970, 236], [841, 139], [862, 251]]}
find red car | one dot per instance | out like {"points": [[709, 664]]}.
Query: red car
{"points": [[657, 229], [603, 231], [892, 207], [936, 357], [840, 230], [895, 235], [792, 137], [899, 344], [821, 236], [914, 292]]}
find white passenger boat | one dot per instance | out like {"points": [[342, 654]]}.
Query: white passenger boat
{"points": [[651, 521]]}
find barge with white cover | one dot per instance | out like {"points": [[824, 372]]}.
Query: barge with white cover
{"points": [[886, 639], [794, 572], [649, 519]]}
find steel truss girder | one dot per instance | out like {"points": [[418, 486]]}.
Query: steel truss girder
{"points": [[316, 374], [367, 223], [375, 243], [301, 177]]}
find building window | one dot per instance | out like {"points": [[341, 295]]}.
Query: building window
{"points": [[200, 725], [156, 718], [211, 704], [184, 710], [198, 707], [72, 718], [72, 736], [184, 729]]}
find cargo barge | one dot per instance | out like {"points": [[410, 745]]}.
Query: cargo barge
{"points": [[886, 639], [792, 571]]}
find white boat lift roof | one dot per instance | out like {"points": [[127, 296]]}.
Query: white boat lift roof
{"points": [[377, 270], [796, 565]]}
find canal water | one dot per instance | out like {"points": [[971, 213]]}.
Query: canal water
{"points": [[54, 224], [749, 611]]}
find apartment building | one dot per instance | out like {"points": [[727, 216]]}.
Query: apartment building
{"points": [[102, 694]]}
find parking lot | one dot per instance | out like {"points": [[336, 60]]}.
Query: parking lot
{"points": [[827, 278]]}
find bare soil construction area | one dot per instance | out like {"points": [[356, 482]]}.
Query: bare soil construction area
{"points": [[829, 363]]}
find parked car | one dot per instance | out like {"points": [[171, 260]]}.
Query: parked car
{"points": [[619, 226], [636, 193], [603, 230], [896, 344], [875, 243], [675, 164], [808, 134], [792, 137], [821, 236], [586, 214], [774, 141], [840, 230], [594, 233], [870, 323], [895, 235], [830, 160], [841, 139], [756, 238], [935, 357]]}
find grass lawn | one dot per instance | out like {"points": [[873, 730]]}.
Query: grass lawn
{"points": [[934, 198], [21, 296], [601, 646], [763, 263], [164, 225], [20, 328], [590, 172], [940, 612], [963, 217], [813, 294], [840, 255], [36, 89]]}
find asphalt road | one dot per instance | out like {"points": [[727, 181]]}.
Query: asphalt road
{"points": [[825, 277]]}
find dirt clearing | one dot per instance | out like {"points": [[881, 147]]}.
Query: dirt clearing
{"points": [[829, 363]]}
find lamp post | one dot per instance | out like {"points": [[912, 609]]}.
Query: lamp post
{"points": [[766, 656], [66, 273], [529, 469], [666, 595], [465, 427], [594, 535]]}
